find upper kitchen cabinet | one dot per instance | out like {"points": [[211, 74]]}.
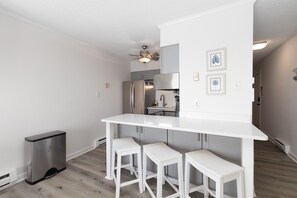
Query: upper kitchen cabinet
{"points": [[170, 59], [144, 75]]}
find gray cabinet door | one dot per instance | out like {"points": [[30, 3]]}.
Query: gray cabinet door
{"points": [[152, 135], [136, 75], [144, 75], [184, 142], [148, 75], [227, 148], [143, 135], [157, 71], [170, 59]]}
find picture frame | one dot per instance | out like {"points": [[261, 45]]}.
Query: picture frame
{"points": [[216, 59], [216, 84]]}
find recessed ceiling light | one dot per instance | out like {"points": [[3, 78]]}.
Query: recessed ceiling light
{"points": [[259, 45]]}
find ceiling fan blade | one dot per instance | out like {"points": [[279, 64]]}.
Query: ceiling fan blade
{"points": [[155, 56], [133, 55]]}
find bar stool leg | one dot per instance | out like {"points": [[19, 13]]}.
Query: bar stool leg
{"points": [[131, 164], [144, 171], [187, 179], [219, 189], [240, 186], [118, 180], [205, 183], [180, 178], [139, 172], [159, 180], [113, 164], [163, 179]]}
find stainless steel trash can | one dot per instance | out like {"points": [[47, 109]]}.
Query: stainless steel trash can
{"points": [[45, 155]]}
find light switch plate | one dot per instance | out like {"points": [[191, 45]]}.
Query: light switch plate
{"points": [[196, 76]]}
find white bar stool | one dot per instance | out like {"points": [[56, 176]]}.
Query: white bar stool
{"points": [[162, 156], [214, 167], [123, 147]]}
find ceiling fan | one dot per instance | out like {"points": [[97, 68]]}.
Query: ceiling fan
{"points": [[145, 56]]}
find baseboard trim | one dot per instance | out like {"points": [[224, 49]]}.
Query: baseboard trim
{"points": [[80, 152], [23, 175], [293, 156]]}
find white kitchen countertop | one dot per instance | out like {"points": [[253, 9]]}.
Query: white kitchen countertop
{"points": [[212, 127]]}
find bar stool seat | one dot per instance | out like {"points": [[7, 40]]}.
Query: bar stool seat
{"points": [[123, 147], [216, 168], [162, 156]]}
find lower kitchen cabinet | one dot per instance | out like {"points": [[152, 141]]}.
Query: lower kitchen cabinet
{"points": [[143, 135], [227, 148], [184, 142]]}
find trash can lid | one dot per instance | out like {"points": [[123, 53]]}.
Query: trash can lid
{"points": [[42, 136]]}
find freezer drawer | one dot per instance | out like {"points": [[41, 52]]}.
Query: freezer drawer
{"points": [[45, 155]]}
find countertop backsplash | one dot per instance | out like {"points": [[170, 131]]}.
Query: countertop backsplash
{"points": [[169, 98]]}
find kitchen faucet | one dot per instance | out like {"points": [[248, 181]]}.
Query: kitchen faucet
{"points": [[162, 98]]}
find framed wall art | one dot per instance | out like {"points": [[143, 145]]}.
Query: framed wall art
{"points": [[216, 59], [216, 84]]}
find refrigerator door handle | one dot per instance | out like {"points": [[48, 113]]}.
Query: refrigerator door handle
{"points": [[132, 98]]}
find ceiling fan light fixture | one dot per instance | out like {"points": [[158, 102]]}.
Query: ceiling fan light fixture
{"points": [[259, 45], [144, 60]]}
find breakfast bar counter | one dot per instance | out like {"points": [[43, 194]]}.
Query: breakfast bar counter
{"points": [[245, 131]]}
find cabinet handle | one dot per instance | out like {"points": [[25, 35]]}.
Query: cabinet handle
{"points": [[199, 138]]}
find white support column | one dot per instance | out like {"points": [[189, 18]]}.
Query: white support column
{"points": [[247, 161], [111, 129]]}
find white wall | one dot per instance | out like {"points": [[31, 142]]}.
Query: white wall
{"points": [[279, 94], [230, 27], [49, 82]]}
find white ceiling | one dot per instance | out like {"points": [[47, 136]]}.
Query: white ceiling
{"points": [[274, 21], [122, 26]]}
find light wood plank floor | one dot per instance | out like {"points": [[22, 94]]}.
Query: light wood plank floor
{"points": [[275, 176], [275, 172]]}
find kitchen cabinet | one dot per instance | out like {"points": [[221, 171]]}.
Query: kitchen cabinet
{"points": [[144, 75], [184, 142], [170, 59], [143, 135], [227, 148]]}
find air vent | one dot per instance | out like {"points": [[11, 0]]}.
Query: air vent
{"points": [[282, 145], [100, 142], [7, 178]]}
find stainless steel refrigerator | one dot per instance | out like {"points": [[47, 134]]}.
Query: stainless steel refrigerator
{"points": [[137, 96]]}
